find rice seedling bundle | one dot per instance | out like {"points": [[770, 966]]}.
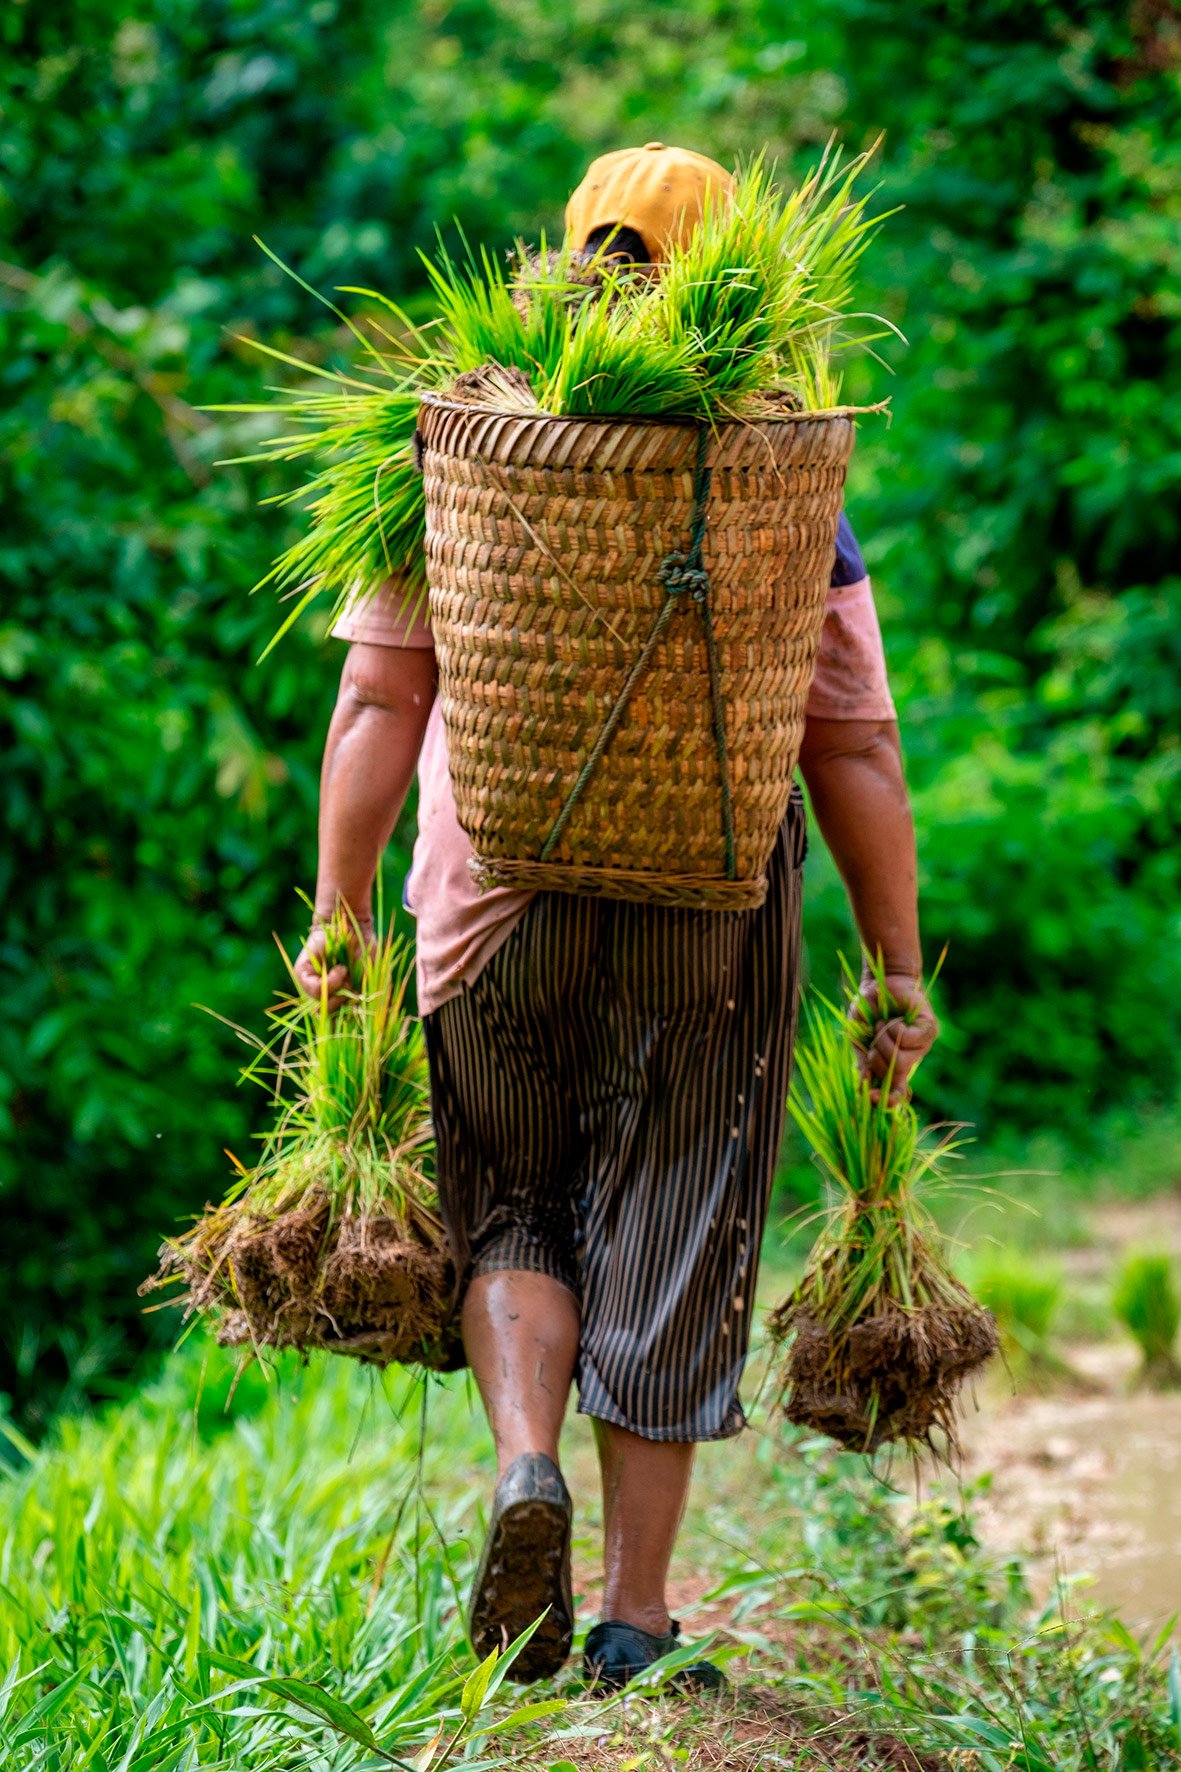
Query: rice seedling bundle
{"points": [[1024, 1292], [1147, 1303], [332, 1239], [879, 1335]]}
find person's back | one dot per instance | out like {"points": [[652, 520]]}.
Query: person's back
{"points": [[608, 1079]]}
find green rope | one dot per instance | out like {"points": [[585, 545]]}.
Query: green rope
{"points": [[678, 573]]}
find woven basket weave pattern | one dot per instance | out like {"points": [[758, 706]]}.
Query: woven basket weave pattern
{"points": [[544, 542]]}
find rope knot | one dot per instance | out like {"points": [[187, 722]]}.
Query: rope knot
{"points": [[678, 574]]}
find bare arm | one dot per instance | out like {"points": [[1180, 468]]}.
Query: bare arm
{"points": [[853, 769], [370, 756]]}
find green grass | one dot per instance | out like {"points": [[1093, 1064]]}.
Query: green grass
{"points": [[203, 1577], [145, 1555]]}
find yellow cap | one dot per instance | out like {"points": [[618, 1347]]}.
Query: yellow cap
{"points": [[660, 192]]}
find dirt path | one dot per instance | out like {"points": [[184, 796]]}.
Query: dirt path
{"points": [[1087, 1485]]}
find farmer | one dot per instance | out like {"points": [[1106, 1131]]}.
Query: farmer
{"points": [[608, 1079]]}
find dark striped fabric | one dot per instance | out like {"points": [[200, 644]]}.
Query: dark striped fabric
{"points": [[608, 1101]]}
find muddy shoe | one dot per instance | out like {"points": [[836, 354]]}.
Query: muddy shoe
{"points": [[615, 1653], [525, 1569]]}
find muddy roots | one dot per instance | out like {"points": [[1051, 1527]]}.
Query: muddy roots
{"points": [[576, 279], [356, 1284], [893, 1376], [492, 384]]}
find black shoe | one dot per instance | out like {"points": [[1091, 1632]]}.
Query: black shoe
{"points": [[525, 1569], [615, 1653]]}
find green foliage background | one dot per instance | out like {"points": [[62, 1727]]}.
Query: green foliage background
{"points": [[1020, 515]]}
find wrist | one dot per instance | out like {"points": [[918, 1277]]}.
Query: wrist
{"points": [[326, 906], [896, 966]]}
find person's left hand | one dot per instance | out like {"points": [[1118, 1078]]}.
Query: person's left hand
{"points": [[902, 1040]]}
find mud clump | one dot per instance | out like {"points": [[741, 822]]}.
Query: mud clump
{"points": [[893, 1376], [351, 1284]]}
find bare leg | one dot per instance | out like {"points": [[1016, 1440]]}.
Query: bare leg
{"points": [[645, 1487], [521, 1334]]}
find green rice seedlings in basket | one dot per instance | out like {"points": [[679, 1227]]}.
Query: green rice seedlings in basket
{"points": [[744, 319], [879, 1335], [333, 1238]]}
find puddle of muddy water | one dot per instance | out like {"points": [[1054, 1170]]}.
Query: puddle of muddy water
{"points": [[1089, 1485]]}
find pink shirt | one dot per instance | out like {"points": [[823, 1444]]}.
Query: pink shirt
{"points": [[460, 927]]}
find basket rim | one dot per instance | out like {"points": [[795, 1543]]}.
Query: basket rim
{"points": [[442, 403]]}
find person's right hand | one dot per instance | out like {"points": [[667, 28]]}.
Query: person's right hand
{"points": [[900, 1034], [309, 967]]}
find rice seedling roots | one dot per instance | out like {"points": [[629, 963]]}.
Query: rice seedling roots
{"points": [[1161, 1373], [354, 1284], [493, 384], [892, 1376]]}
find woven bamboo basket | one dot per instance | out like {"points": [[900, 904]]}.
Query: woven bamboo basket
{"points": [[626, 617]]}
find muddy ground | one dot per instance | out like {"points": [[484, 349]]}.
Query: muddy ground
{"points": [[1087, 1479]]}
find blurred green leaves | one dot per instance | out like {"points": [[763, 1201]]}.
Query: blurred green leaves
{"points": [[1021, 516]]}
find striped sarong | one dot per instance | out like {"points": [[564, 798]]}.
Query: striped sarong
{"points": [[608, 1099]]}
